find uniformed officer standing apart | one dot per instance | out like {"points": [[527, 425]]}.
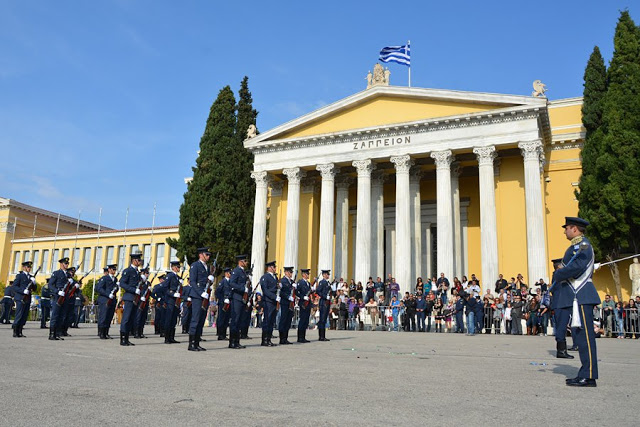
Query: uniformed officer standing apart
{"points": [[130, 283], [172, 283], [575, 295], [285, 298], [223, 292], [7, 302], [199, 278], [140, 315], [303, 290], [57, 283], [45, 305], [159, 296], [68, 308], [238, 282], [107, 290], [561, 318], [269, 286], [22, 297], [324, 292]]}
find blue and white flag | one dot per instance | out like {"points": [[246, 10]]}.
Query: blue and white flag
{"points": [[397, 54]]}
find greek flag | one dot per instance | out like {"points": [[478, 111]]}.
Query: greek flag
{"points": [[397, 54]]}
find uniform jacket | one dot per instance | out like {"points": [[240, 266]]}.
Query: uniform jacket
{"points": [[58, 281], [577, 265], [223, 290], [159, 293], [198, 274], [129, 283], [286, 286], [302, 290], [237, 282], [324, 289], [105, 286], [20, 283], [269, 286], [171, 285]]}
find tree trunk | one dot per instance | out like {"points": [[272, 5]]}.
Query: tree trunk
{"points": [[615, 273]]}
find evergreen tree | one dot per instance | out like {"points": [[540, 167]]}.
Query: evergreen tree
{"points": [[609, 194]]}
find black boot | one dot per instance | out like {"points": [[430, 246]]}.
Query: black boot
{"points": [[52, 335], [167, 338], [264, 342], [59, 334], [268, 337], [197, 343], [141, 332], [561, 347], [172, 338], [300, 336], [126, 337], [123, 341], [286, 338], [232, 341], [106, 334], [238, 345], [192, 343], [15, 331], [574, 348], [20, 332], [304, 336]]}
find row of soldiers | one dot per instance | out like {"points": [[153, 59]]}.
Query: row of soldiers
{"points": [[235, 296]]}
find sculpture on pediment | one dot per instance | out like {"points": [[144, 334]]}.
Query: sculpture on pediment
{"points": [[251, 131], [379, 77], [539, 89]]}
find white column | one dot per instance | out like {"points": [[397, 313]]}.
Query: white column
{"points": [[443, 161], [417, 265], [294, 176], [536, 245], [342, 226], [403, 223], [457, 231], [259, 240], [377, 226], [325, 247], [363, 221], [488, 227]]}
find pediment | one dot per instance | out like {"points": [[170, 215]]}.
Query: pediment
{"points": [[389, 105]]}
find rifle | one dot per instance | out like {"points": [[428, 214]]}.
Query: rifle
{"points": [[69, 288], [278, 291], [73, 289], [147, 294], [179, 299], [32, 286], [114, 290], [136, 299], [306, 302], [212, 272], [245, 297], [293, 291]]}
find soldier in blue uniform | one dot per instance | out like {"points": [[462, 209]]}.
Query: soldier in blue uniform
{"points": [[45, 304], [68, 308], [574, 294], [57, 284], [158, 294], [199, 279], [7, 303], [107, 290], [22, 285], [222, 294], [130, 283], [173, 286], [238, 283], [561, 318], [285, 298], [185, 315], [78, 307], [140, 315], [245, 317], [269, 286], [459, 312], [303, 292], [324, 292]]}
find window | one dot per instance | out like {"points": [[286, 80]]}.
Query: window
{"points": [[121, 251], [54, 260], [109, 258], [65, 254], [98, 260], [46, 264], [173, 254], [147, 254], [16, 262], [159, 256], [86, 259], [76, 258], [36, 258], [135, 249], [27, 256]]}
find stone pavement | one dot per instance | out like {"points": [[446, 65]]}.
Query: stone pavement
{"points": [[359, 378]]}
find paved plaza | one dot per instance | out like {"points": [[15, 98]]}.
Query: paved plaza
{"points": [[359, 378]]}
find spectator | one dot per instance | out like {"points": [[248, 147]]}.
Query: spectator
{"points": [[457, 286], [342, 286], [438, 314], [488, 313], [334, 310], [361, 314], [427, 287], [464, 282], [489, 295], [343, 313], [459, 313], [543, 313], [395, 309], [443, 286], [410, 313], [353, 312], [421, 306], [379, 286], [394, 288], [501, 284], [532, 322], [470, 307], [507, 318], [430, 302], [447, 313], [608, 308], [473, 289], [497, 307], [619, 313], [381, 304], [370, 290], [372, 309], [519, 283], [419, 286], [516, 315], [632, 319], [352, 288], [511, 286]]}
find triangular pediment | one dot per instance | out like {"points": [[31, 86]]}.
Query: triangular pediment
{"points": [[390, 105]]}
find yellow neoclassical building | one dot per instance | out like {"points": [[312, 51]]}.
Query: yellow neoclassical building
{"points": [[407, 181]]}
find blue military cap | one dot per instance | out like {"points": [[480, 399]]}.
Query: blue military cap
{"points": [[136, 256], [162, 276], [270, 264], [113, 266], [556, 261], [27, 264], [203, 251], [289, 269], [105, 269], [175, 263], [226, 269], [242, 257], [64, 260], [326, 271], [305, 270], [574, 220]]}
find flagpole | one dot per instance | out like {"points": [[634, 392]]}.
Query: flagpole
{"points": [[55, 239], [409, 47], [96, 267], [75, 243]]}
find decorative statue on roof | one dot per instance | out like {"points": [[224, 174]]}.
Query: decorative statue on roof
{"points": [[380, 76]]}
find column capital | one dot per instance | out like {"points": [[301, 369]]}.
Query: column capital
{"points": [[344, 182], [402, 163], [261, 178], [364, 167], [294, 175], [327, 171], [378, 178], [443, 159], [276, 187], [309, 185], [531, 150], [485, 155]]}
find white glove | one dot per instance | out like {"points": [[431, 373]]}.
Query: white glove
{"points": [[180, 281], [328, 297], [226, 300], [117, 283], [249, 304], [143, 277], [26, 291], [61, 293], [111, 295], [210, 277], [277, 299], [290, 298], [176, 295], [33, 279], [70, 280], [204, 295], [596, 266], [77, 285], [143, 299], [246, 290], [137, 291], [295, 286], [306, 298], [189, 299]]}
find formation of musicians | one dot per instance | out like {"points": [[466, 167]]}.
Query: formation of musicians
{"points": [[173, 296]]}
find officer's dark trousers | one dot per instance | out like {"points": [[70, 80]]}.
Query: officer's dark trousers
{"points": [[140, 317], [105, 314], [158, 321], [479, 314], [286, 315], [222, 322], [185, 320], [170, 315], [69, 312], [305, 313], [21, 307], [269, 317], [202, 319], [237, 308], [25, 312], [585, 339], [46, 310], [421, 321], [324, 313], [459, 322], [245, 318], [6, 314], [56, 315], [562, 317], [127, 317], [197, 314]]}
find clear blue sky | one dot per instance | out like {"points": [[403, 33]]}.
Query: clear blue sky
{"points": [[103, 103]]}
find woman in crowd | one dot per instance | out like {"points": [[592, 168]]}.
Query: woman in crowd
{"points": [[632, 319], [516, 315], [361, 314], [488, 314], [352, 288], [532, 321], [427, 287], [372, 309], [497, 314], [447, 312], [359, 290], [419, 286], [395, 311], [371, 289], [437, 312], [619, 313], [457, 286], [507, 318]]}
